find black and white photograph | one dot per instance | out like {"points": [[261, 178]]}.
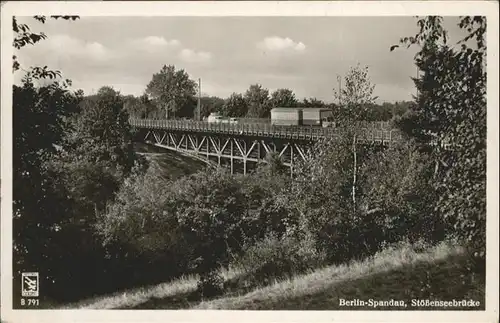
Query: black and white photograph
{"points": [[290, 158]]}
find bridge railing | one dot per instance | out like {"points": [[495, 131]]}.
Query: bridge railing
{"points": [[262, 129]]}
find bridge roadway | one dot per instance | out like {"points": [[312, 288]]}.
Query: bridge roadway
{"points": [[239, 144], [264, 130]]}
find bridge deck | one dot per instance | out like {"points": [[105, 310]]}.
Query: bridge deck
{"points": [[264, 130]]}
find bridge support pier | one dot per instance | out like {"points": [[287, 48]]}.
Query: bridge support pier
{"points": [[232, 159]]}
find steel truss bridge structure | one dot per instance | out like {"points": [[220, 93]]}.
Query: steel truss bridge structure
{"points": [[239, 145]]}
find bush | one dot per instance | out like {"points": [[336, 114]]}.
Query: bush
{"points": [[194, 224], [211, 210], [267, 205], [398, 195], [211, 284], [139, 232], [322, 195], [276, 257]]}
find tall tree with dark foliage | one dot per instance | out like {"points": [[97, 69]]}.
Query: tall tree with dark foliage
{"points": [[451, 108], [234, 106], [173, 92], [99, 151], [40, 117], [258, 102], [283, 98]]}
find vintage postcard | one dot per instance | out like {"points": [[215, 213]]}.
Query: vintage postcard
{"points": [[249, 161]]}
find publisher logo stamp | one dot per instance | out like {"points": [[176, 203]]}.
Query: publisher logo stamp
{"points": [[30, 284]]}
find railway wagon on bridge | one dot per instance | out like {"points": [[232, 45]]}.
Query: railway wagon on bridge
{"points": [[286, 117], [291, 116], [316, 116]]}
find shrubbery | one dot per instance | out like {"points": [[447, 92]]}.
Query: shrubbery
{"points": [[267, 207], [320, 193], [199, 223], [393, 200], [276, 257], [398, 195]]}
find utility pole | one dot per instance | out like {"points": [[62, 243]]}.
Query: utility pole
{"points": [[339, 80], [418, 76], [339, 108], [199, 99]]}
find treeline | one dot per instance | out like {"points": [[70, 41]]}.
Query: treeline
{"points": [[172, 93]]}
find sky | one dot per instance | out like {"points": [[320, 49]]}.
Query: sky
{"points": [[304, 54]]}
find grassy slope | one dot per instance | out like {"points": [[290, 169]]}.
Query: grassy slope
{"points": [[401, 274], [437, 274], [136, 298]]}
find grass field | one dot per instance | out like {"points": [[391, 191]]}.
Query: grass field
{"points": [[438, 273]]}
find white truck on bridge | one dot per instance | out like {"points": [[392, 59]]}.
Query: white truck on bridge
{"points": [[217, 118]]}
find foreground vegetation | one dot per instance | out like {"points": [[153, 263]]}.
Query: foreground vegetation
{"points": [[86, 205], [429, 273], [436, 274]]}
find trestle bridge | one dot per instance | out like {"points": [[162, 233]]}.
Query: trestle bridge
{"points": [[241, 146]]}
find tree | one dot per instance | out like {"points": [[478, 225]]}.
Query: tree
{"points": [[234, 106], [139, 107], [397, 194], [94, 159], [267, 209], [40, 207], [210, 104], [257, 99], [386, 111], [312, 103], [210, 207], [451, 108], [38, 124], [283, 98], [320, 194], [101, 143], [173, 91], [140, 225], [272, 165], [24, 36], [355, 96]]}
